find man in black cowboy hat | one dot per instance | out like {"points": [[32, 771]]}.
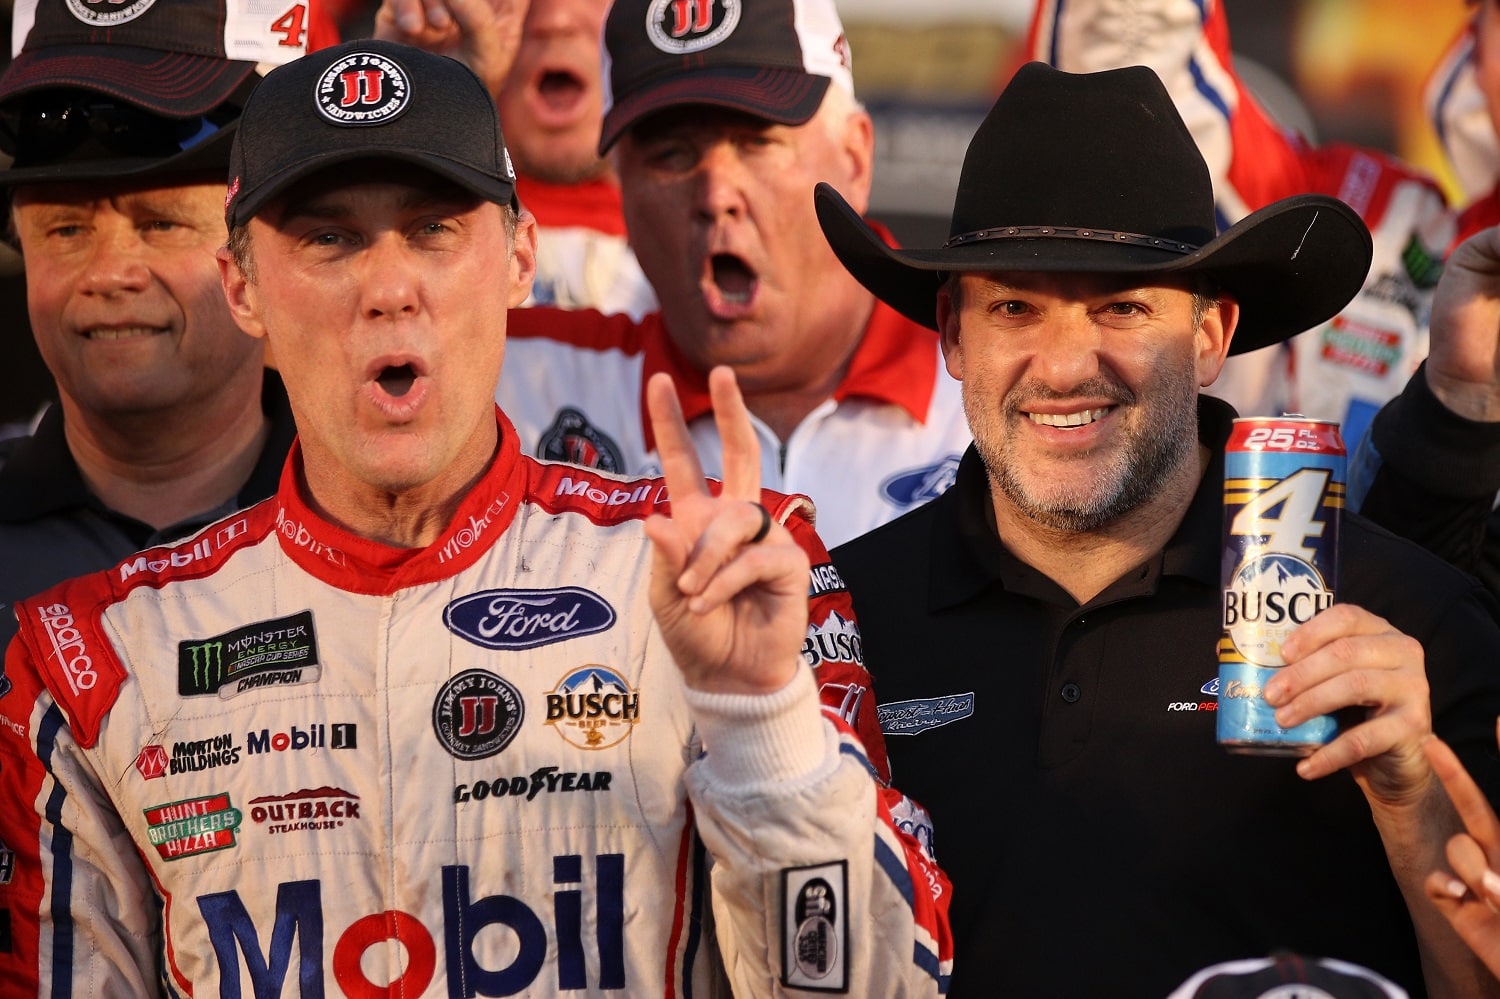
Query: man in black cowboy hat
{"points": [[119, 120], [1099, 841]]}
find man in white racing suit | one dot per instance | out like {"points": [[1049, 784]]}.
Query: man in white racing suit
{"points": [[437, 718]]}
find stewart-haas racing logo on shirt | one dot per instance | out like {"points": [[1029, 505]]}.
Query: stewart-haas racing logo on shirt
{"points": [[271, 653]]}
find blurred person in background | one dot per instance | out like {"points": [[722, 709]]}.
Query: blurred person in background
{"points": [[120, 126]]}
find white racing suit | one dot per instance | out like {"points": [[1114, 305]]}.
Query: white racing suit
{"points": [[281, 760]]}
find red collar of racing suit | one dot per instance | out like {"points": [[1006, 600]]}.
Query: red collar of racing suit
{"points": [[359, 565], [590, 204]]}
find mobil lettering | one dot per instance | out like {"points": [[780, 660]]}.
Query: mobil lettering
{"points": [[244, 950]]}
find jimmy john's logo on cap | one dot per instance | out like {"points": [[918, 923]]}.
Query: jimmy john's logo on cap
{"points": [[682, 26], [363, 88], [107, 13]]}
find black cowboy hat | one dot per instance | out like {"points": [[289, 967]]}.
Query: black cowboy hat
{"points": [[1096, 172]]}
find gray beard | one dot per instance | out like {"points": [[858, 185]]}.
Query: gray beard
{"points": [[1135, 475]]}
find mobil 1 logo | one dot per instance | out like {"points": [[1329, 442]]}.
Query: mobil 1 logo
{"points": [[274, 653]]}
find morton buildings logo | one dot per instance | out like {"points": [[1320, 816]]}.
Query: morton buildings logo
{"points": [[272, 653]]}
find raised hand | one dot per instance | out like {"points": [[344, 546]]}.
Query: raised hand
{"points": [[728, 585], [1470, 897], [482, 34], [1463, 363]]}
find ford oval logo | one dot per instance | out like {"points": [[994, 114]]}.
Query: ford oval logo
{"points": [[525, 619], [919, 485]]}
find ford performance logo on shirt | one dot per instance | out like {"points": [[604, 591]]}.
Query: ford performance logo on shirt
{"points": [[525, 619]]}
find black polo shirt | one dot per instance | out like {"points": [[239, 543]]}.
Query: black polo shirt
{"points": [[1098, 839], [52, 528]]}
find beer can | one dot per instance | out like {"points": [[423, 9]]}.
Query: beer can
{"points": [[1283, 492]]}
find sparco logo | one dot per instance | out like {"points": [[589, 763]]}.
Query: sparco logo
{"points": [[68, 648], [525, 619], [477, 714], [593, 707], [300, 536], [264, 654], [683, 26], [158, 560], [364, 88], [108, 13]]}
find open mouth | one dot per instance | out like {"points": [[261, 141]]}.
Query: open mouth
{"points": [[733, 277], [1068, 421], [559, 89], [397, 380]]}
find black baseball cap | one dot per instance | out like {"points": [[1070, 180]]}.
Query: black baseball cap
{"points": [[132, 88], [1286, 975], [367, 99], [774, 59]]}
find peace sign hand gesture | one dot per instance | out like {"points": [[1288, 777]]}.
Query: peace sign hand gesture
{"points": [[728, 585]]}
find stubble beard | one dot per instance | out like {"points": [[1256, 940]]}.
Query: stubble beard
{"points": [[1134, 474]]}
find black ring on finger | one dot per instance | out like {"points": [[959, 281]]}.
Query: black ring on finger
{"points": [[765, 524]]}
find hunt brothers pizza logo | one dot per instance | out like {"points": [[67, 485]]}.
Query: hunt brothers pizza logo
{"points": [[192, 826], [264, 654]]}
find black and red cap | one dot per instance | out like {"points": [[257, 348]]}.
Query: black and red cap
{"points": [[366, 100], [774, 59]]}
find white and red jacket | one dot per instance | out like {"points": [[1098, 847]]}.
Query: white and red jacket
{"points": [[1345, 369], [583, 258], [282, 760], [888, 439]]}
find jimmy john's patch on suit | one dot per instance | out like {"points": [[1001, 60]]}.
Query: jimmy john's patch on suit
{"points": [[274, 653], [593, 707], [476, 714], [573, 439], [815, 927]]}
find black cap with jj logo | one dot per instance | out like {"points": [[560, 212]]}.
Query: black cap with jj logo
{"points": [[365, 100]]}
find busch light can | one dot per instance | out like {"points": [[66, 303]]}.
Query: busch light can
{"points": [[1283, 491]]}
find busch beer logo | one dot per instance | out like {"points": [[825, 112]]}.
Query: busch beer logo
{"points": [[572, 439], [300, 536], [815, 931], [525, 619], [836, 640], [679, 27], [593, 707], [363, 88], [305, 811], [271, 653], [108, 13], [195, 825], [477, 714], [583, 950], [68, 648], [1267, 597], [918, 485]]}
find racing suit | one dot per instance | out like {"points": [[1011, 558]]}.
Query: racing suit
{"points": [[1345, 369], [888, 439], [279, 759]]}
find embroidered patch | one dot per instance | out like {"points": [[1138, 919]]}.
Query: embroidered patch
{"points": [[815, 927], [922, 714]]}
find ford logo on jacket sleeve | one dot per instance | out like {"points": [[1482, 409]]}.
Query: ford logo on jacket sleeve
{"points": [[525, 619]]}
